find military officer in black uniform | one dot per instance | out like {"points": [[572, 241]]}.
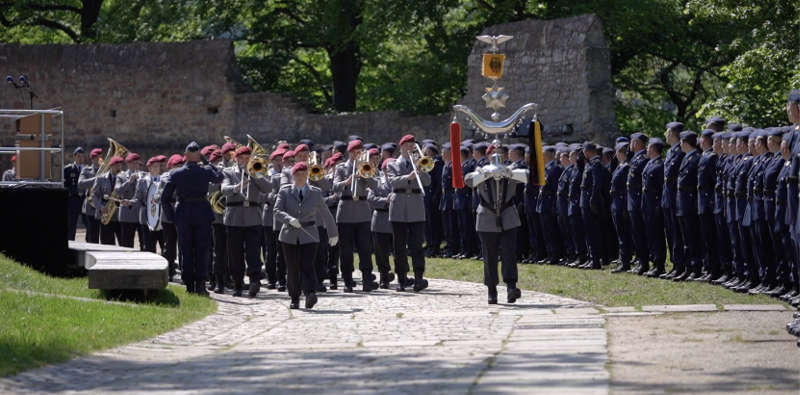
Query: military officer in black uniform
{"points": [[652, 191], [686, 207], [546, 207], [594, 202], [706, 183], [619, 208], [638, 162], [672, 165], [72, 173], [192, 215]]}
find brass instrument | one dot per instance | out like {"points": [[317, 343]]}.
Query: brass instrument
{"points": [[257, 166], [361, 168], [217, 202], [114, 149], [315, 171], [111, 207], [424, 163], [366, 170]]}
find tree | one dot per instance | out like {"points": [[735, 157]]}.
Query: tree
{"points": [[60, 16]]}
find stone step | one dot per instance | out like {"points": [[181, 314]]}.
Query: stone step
{"points": [[126, 269]]}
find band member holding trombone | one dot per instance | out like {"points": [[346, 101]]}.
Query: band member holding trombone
{"points": [[192, 215], [245, 188], [299, 206], [408, 176], [351, 180]]}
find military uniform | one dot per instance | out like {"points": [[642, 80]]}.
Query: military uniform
{"points": [[325, 185], [497, 222], [652, 214], [10, 175], [219, 236], [741, 172], [169, 232], [635, 188], [243, 216], [381, 228], [432, 200], [353, 217], [462, 205], [192, 216], [723, 240], [562, 204], [594, 202], [706, 198], [686, 211], [449, 214], [574, 214], [85, 183], [128, 215], [546, 209], [72, 173], [273, 257], [407, 215], [672, 165], [619, 215], [151, 237], [303, 207], [104, 186]]}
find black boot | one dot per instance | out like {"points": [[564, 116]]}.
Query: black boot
{"points": [[255, 286], [514, 293], [419, 282], [200, 288], [492, 294], [220, 285], [212, 283], [334, 283], [402, 282], [189, 287], [368, 282]]}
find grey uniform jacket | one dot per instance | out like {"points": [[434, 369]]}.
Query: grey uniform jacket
{"points": [[268, 218], [127, 190], [140, 197], [10, 175], [164, 180], [85, 182], [378, 199], [103, 187], [486, 218], [351, 210], [406, 203], [288, 206], [236, 214], [325, 186]]}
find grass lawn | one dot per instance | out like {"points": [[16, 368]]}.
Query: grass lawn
{"points": [[599, 286], [39, 329]]}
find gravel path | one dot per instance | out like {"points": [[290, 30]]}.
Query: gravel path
{"points": [[443, 340]]}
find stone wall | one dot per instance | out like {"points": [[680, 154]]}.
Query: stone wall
{"points": [[563, 65], [158, 96]]}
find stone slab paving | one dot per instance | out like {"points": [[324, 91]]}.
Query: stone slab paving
{"points": [[444, 340], [681, 308], [754, 307]]}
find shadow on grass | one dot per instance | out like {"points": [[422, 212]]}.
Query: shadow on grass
{"points": [[159, 297]]}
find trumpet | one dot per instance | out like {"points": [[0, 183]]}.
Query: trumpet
{"points": [[315, 171]]}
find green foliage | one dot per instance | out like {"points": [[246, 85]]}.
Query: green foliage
{"points": [[670, 59]]}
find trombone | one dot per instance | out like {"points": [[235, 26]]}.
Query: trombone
{"points": [[420, 162], [361, 168]]}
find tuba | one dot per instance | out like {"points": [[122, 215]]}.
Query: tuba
{"points": [[257, 166], [114, 149], [315, 171], [217, 201]]}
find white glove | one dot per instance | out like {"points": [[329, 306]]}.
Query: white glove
{"points": [[296, 223], [333, 241]]}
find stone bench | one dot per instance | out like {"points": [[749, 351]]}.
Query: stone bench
{"points": [[121, 268]]}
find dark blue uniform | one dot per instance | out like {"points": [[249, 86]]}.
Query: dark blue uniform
{"points": [[686, 211], [776, 274], [546, 208], [72, 172], [462, 204], [594, 202], [562, 203], [536, 245], [523, 240], [447, 208], [574, 213], [672, 165], [781, 224], [754, 218], [619, 214], [730, 214], [433, 196], [706, 198], [723, 240], [634, 187], [652, 191], [192, 218], [740, 176]]}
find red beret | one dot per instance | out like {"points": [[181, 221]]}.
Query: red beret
{"points": [[338, 155], [277, 153], [175, 160], [96, 152], [489, 149], [207, 149], [132, 157], [285, 146], [301, 148], [215, 154], [328, 163], [244, 150], [161, 158], [152, 160], [374, 151], [299, 166], [409, 138], [288, 155], [14, 158], [115, 160], [228, 147], [386, 162], [355, 144]]}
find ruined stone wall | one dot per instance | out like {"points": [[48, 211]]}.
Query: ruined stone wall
{"points": [[157, 96]]}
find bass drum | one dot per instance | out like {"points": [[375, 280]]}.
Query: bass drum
{"points": [[154, 206]]}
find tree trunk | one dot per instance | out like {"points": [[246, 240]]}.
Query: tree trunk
{"points": [[89, 14], [345, 67]]}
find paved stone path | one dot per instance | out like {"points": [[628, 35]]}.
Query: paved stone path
{"points": [[443, 340]]}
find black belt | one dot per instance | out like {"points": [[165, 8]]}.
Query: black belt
{"points": [[239, 204], [381, 209], [351, 198], [310, 223], [192, 199], [402, 190]]}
